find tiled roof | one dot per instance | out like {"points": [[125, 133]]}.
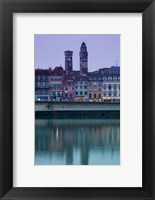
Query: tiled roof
{"points": [[114, 70], [81, 78], [42, 72], [57, 71], [75, 77]]}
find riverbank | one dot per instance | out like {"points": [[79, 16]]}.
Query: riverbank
{"points": [[78, 114], [77, 109]]}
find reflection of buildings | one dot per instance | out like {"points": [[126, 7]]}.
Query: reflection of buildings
{"points": [[71, 85], [65, 137]]}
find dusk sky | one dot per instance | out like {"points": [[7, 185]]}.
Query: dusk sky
{"points": [[103, 50]]}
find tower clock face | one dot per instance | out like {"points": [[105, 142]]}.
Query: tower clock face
{"points": [[68, 59]]}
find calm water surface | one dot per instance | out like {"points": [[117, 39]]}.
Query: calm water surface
{"points": [[77, 141]]}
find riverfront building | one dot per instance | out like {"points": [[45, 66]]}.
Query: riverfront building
{"points": [[42, 84], [71, 85], [81, 87], [55, 82], [69, 88]]}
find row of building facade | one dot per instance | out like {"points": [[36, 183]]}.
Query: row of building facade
{"points": [[56, 86], [68, 85]]}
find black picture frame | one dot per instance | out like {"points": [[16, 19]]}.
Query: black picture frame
{"points": [[7, 8]]}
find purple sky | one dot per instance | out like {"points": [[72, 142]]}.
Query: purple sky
{"points": [[103, 50]]}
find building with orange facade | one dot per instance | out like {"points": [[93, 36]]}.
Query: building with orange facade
{"points": [[55, 82]]}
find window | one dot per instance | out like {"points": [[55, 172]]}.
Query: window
{"points": [[115, 86], [66, 95], [89, 95], [57, 85], [56, 79], [76, 87], [80, 87], [85, 87], [99, 95], [105, 94], [81, 93], [115, 93], [99, 84], [46, 92], [46, 79], [109, 87], [109, 94], [47, 85], [85, 93], [76, 93], [104, 86], [72, 88], [66, 88], [94, 95]]}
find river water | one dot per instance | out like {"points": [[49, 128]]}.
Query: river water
{"points": [[77, 142]]}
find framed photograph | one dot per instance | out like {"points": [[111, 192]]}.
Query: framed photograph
{"points": [[77, 110], [77, 99]]}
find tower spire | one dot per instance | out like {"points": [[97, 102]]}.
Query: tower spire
{"points": [[68, 62], [83, 59]]}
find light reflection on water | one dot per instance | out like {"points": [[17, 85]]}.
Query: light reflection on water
{"points": [[77, 141]]}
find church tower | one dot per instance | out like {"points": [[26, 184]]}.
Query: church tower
{"points": [[83, 59], [68, 62]]}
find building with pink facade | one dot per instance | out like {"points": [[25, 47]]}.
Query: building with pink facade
{"points": [[69, 88]]}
